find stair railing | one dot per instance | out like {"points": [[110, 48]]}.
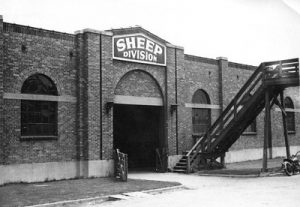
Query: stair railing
{"points": [[286, 68], [191, 155], [235, 105], [220, 123]]}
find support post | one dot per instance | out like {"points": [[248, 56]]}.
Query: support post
{"points": [[188, 167], [286, 140], [266, 131], [223, 160]]}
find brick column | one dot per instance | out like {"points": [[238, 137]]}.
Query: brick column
{"points": [[107, 94], [223, 65], [95, 85]]}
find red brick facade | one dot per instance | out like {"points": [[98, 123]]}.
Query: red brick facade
{"points": [[88, 78]]}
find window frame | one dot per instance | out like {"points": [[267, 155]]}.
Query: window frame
{"points": [[39, 118], [251, 129], [204, 99], [290, 115]]}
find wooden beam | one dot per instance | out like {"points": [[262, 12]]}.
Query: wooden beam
{"points": [[266, 131]]}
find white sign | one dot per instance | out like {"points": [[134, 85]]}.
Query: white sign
{"points": [[139, 48]]}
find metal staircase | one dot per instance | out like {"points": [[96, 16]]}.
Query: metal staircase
{"points": [[269, 77]]}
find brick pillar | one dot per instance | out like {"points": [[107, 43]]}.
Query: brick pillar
{"points": [[94, 82], [107, 94], [173, 75], [223, 65], [181, 98], [88, 104], [1, 91]]}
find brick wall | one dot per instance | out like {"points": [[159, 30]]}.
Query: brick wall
{"points": [[28, 51], [200, 73], [138, 83]]}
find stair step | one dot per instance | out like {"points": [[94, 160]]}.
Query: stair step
{"points": [[185, 152], [179, 168], [179, 171], [181, 164]]}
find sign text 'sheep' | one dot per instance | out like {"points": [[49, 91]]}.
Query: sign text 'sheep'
{"points": [[139, 48]]}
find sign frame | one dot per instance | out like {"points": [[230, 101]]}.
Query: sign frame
{"points": [[139, 61]]}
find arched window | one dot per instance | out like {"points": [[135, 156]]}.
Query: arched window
{"points": [[290, 118], [201, 116], [38, 117]]}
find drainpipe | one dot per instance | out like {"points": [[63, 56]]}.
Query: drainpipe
{"points": [[166, 128], [101, 119], [176, 101]]}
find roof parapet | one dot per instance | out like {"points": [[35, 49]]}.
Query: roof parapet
{"points": [[93, 31], [222, 58]]}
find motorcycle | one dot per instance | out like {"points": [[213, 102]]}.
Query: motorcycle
{"points": [[291, 165]]}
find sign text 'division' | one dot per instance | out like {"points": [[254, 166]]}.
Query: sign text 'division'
{"points": [[139, 48]]}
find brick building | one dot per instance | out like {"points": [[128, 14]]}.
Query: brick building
{"points": [[68, 100]]}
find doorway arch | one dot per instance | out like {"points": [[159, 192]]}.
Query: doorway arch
{"points": [[138, 120]]}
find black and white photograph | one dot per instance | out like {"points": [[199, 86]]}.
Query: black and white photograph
{"points": [[165, 103]]}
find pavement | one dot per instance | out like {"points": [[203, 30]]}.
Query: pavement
{"points": [[247, 169], [81, 191], [214, 191]]}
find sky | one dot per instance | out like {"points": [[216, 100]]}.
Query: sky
{"points": [[244, 31]]}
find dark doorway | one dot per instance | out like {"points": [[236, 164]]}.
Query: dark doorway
{"points": [[137, 132]]}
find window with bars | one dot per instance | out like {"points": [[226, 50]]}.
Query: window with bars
{"points": [[290, 115], [201, 117], [39, 117]]}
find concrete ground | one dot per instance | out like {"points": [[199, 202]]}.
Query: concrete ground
{"points": [[248, 168], [215, 190], [233, 186], [273, 191]]}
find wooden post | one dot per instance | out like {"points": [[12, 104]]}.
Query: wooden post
{"points": [[266, 131], [270, 150], [286, 140], [188, 167], [223, 160]]}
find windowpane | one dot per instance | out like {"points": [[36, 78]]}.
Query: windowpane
{"points": [[38, 122], [39, 84], [290, 116], [201, 117], [39, 118], [251, 127]]}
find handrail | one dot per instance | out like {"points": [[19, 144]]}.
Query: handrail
{"points": [[195, 145], [242, 90], [281, 61]]}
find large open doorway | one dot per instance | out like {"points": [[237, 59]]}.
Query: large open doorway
{"points": [[138, 133]]}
